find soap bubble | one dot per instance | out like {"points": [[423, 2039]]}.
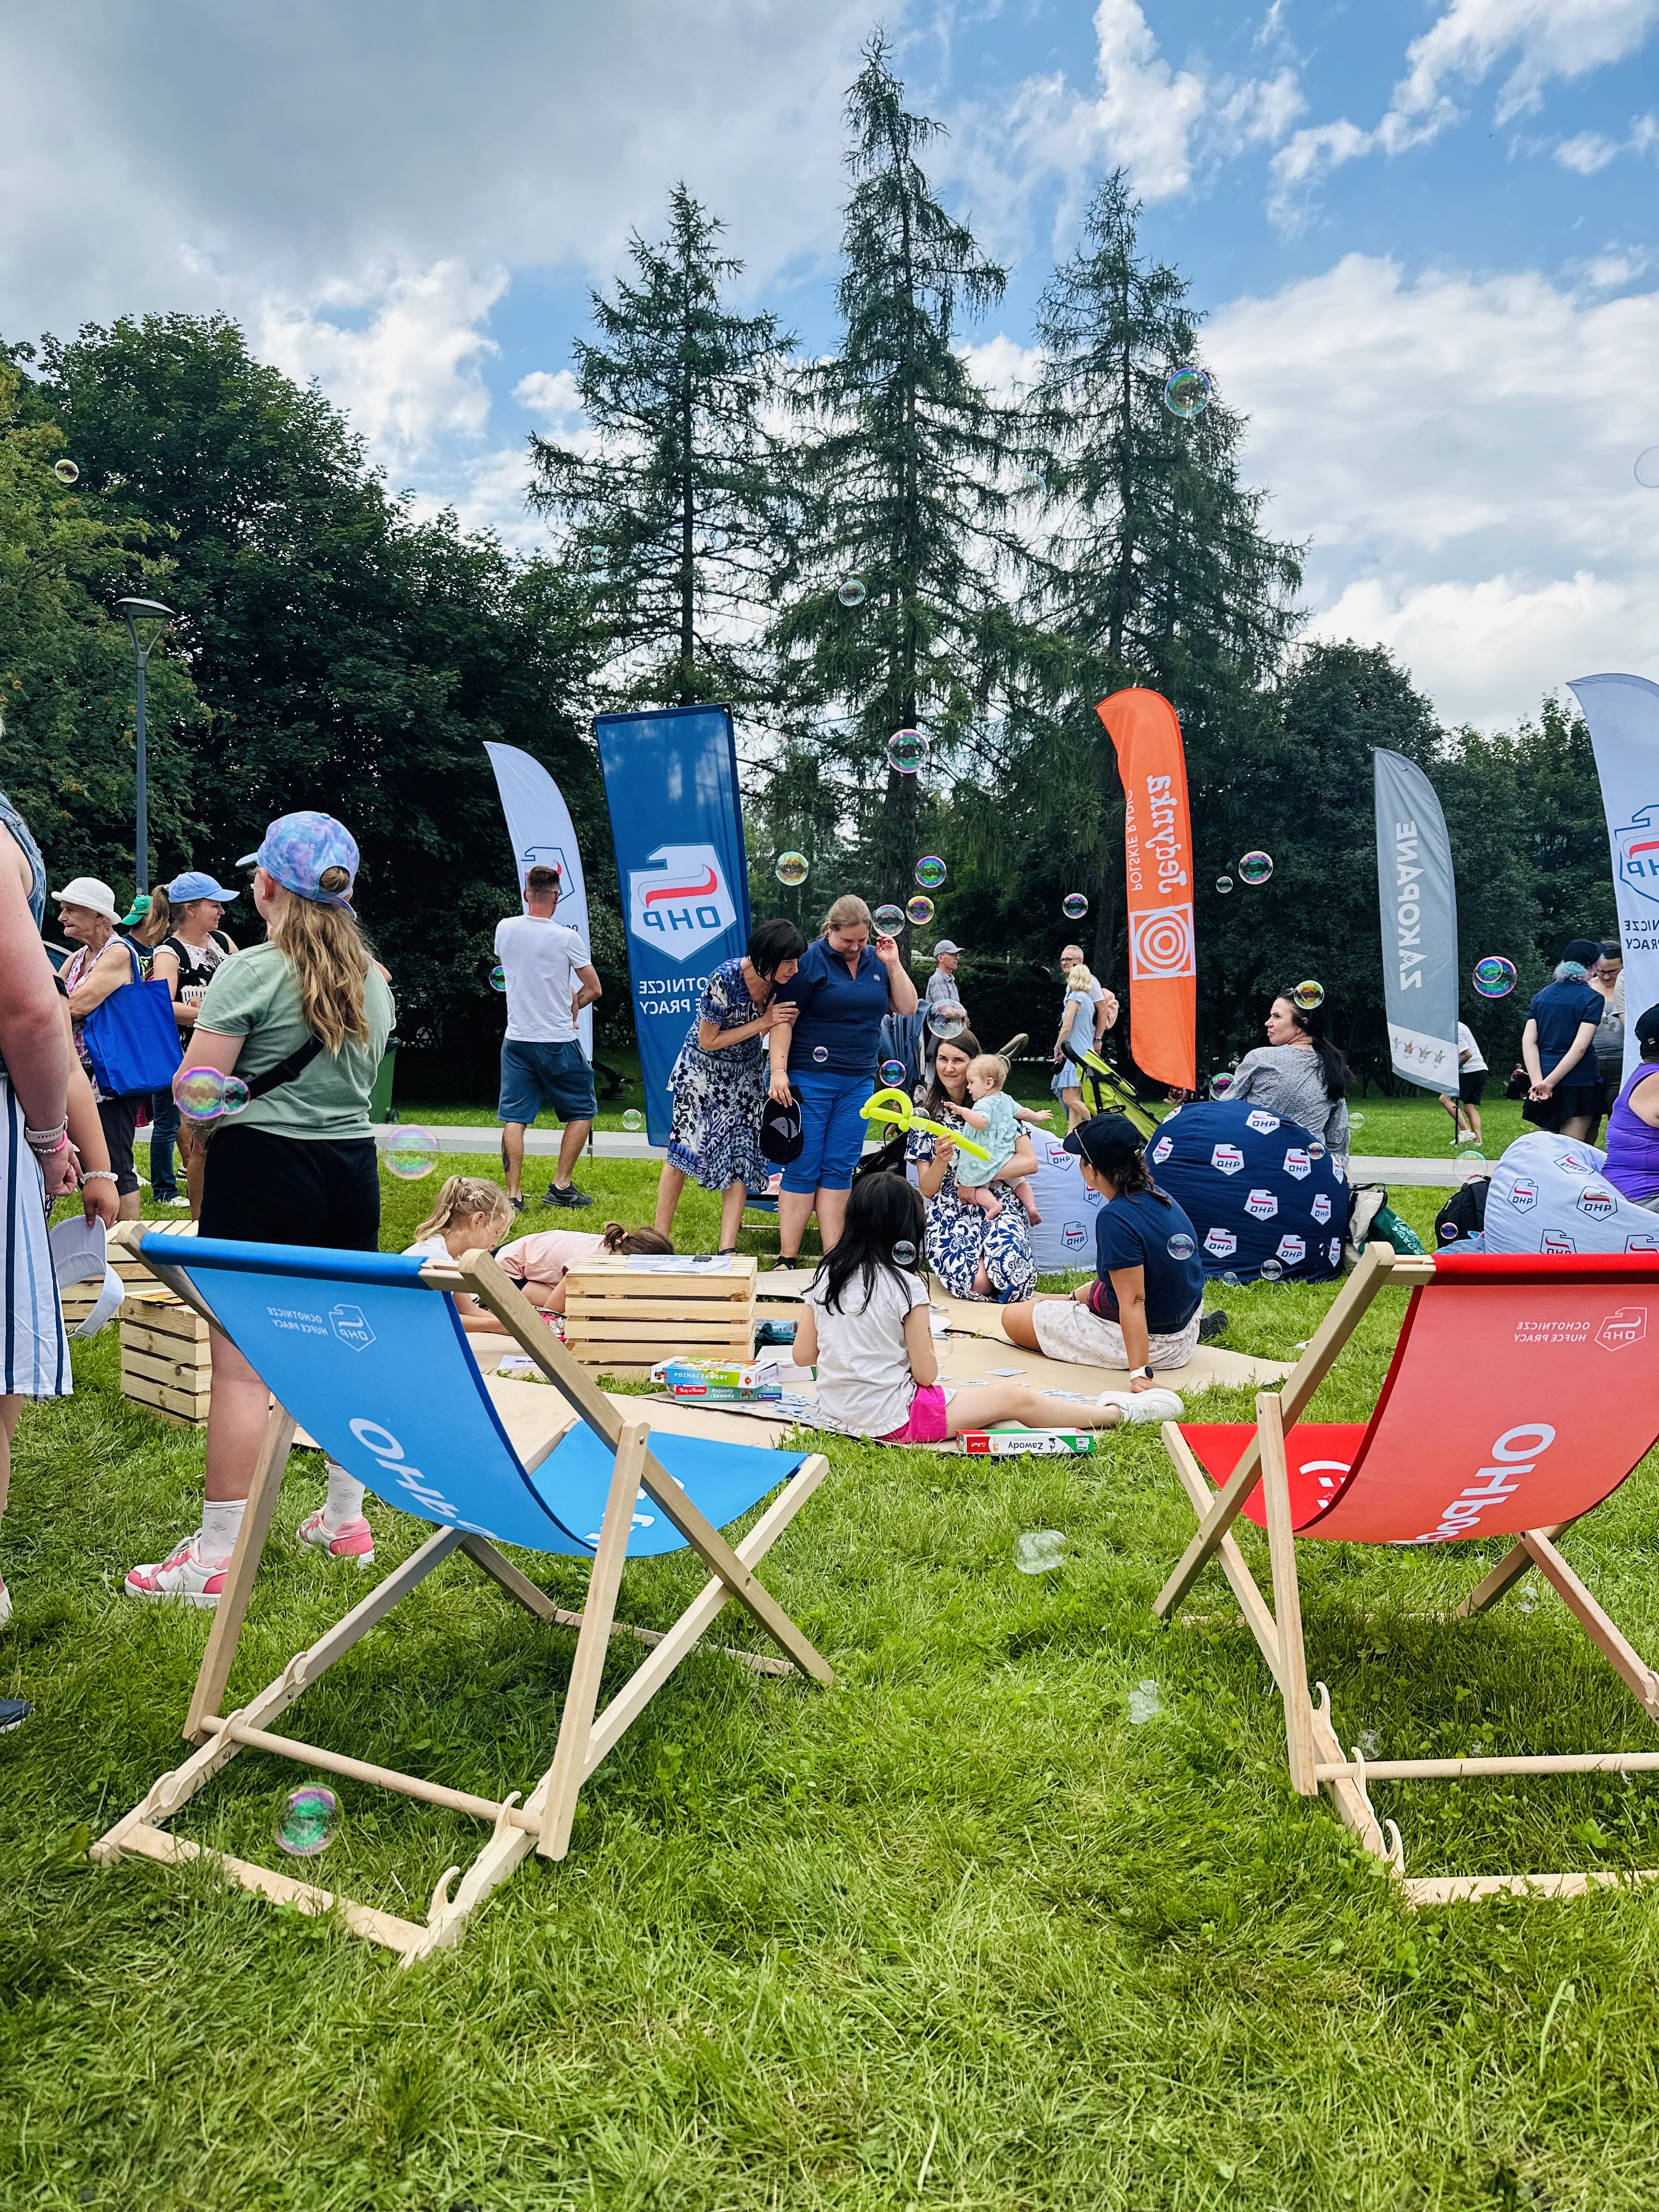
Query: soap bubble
{"points": [[919, 909], [66, 471], [1224, 884], [1230, 1279], [236, 1094], [1647, 469], [1220, 1083], [200, 1093], [944, 1026], [1040, 1551], [904, 1254], [1187, 392], [1316, 1153], [930, 871], [1356, 1121], [852, 593], [906, 750], [498, 979], [791, 869], [308, 1822], [1182, 1246], [1494, 976], [892, 1072], [820, 1054], [1255, 867], [1074, 906], [1309, 995], [1271, 1270], [1474, 1164], [633, 1119], [1032, 480], [410, 1153], [887, 920], [1146, 1704]]}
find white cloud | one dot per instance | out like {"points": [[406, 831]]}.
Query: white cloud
{"points": [[1260, 111], [1545, 40], [1460, 452], [1586, 152], [1003, 366], [550, 396], [411, 376]]}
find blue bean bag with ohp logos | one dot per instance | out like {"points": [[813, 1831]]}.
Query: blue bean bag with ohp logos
{"points": [[1261, 1191]]}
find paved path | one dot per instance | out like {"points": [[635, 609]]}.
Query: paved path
{"points": [[622, 1145]]}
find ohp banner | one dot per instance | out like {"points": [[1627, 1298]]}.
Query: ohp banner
{"points": [[538, 823], [1158, 857], [670, 783], [1622, 714], [1417, 897]]}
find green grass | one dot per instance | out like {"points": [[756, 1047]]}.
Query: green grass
{"points": [[956, 1915]]}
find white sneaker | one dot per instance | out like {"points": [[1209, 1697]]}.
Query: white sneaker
{"points": [[184, 1574], [5, 1603], [1143, 1405]]}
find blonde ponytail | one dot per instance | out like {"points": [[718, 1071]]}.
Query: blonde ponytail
{"points": [[466, 1198], [324, 947]]}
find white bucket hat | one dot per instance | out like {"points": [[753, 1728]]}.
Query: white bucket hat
{"points": [[86, 891]]}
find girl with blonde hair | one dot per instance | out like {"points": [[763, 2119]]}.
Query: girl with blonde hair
{"points": [[472, 1214], [303, 1020], [1077, 1030]]}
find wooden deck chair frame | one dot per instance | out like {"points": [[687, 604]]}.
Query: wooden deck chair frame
{"points": [[1314, 1752], [585, 1734]]}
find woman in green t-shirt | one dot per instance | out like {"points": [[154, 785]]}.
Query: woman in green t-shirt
{"points": [[297, 1165]]}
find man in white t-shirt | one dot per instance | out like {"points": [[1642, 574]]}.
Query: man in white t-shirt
{"points": [[1104, 1004], [550, 979], [1471, 1071]]}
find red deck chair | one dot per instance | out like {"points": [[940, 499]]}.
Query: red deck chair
{"points": [[1521, 1392]]}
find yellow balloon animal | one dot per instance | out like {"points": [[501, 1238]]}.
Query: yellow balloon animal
{"points": [[895, 1107]]}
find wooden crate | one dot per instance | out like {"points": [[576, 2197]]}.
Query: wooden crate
{"points": [[140, 1283], [623, 1321], [167, 1366]]}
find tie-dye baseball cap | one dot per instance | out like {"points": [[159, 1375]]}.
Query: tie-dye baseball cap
{"points": [[296, 850]]}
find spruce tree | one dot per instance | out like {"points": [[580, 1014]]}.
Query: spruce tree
{"points": [[894, 490], [1156, 570], [669, 517]]}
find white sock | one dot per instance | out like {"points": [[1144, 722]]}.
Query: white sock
{"points": [[345, 1498], [221, 1522]]}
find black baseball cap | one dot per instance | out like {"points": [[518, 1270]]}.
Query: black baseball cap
{"points": [[1109, 1142], [780, 1138], [1647, 1027]]}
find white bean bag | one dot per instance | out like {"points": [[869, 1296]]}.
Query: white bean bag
{"points": [[1549, 1194]]}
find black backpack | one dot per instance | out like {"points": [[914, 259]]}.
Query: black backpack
{"points": [[1464, 1213]]}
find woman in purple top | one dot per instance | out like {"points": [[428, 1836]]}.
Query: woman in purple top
{"points": [[1632, 1163]]}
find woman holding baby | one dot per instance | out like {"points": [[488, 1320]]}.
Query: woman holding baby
{"points": [[979, 1239]]}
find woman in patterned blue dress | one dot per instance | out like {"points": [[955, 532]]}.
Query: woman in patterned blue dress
{"points": [[720, 1080], [973, 1258]]}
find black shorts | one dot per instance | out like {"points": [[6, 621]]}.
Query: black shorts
{"points": [[1472, 1086], [120, 1119], [261, 1188]]}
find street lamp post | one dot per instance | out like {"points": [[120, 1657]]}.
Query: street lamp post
{"points": [[145, 620]]}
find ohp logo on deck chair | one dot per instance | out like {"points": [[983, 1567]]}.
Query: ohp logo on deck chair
{"points": [[685, 903]]}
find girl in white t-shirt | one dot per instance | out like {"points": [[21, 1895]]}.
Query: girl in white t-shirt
{"points": [[866, 1331], [470, 1214]]}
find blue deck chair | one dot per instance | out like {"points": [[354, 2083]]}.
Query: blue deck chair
{"points": [[367, 1351]]}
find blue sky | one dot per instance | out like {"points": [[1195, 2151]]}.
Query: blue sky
{"points": [[1423, 236]]}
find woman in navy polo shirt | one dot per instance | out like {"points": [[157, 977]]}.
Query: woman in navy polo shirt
{"points": [[827, 1060]]}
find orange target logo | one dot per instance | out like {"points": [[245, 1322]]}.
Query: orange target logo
{"points": [[1161, 945]]}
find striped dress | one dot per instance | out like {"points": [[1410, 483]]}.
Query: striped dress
{"points": [[34, 1359]]}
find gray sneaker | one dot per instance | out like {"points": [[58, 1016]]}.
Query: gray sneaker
{"points": [[14, 1712], [569, 1196]]}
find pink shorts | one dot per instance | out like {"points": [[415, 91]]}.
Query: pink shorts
{"points": [[926, 1423]]}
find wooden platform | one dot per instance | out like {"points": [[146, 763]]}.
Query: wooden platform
{"points": [[623, 1319], [166, 1364]]}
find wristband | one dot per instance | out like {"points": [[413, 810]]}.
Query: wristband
{"points": [[98, 1175], [46, 1140]]}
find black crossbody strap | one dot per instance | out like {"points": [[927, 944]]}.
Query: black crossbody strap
{"points": [[286, 1070]]}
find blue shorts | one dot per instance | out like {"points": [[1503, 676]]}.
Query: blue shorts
{"points": [[832, 1130], [538, 1075]]}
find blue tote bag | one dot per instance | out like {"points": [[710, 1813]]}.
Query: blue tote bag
{"points": [[132, 1038]]}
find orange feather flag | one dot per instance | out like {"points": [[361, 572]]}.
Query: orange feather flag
{"points": [[1157, 855]]}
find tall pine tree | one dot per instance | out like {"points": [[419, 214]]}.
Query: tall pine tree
{"points": [[669, 517], [895, 489], [1156, 570]]}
